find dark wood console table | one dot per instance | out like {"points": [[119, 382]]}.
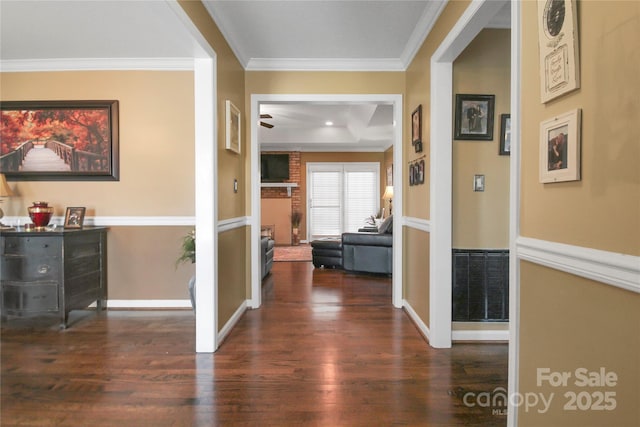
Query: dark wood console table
{"points": [[52, 271]]}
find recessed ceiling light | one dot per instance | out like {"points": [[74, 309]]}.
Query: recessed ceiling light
{"points": [[328, 123]]}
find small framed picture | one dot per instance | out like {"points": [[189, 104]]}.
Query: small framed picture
{"points": [[416, 129], [505, 134], [474, 117], [74, 218], [560, 148], [233, 130]]}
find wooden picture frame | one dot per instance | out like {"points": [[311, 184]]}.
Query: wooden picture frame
{"points": [[474, 117], [59, 140], [505, 134], [74, 217], [560, 148], [233, 127], [558, 48], [416, 129]]}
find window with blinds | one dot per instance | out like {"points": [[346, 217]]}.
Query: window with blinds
{"points": [[341, 196]]}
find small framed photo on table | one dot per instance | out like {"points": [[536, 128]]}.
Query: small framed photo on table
{"points": [[74, 218]]}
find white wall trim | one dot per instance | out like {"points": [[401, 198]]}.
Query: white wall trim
{"points": [[615, 269], [141, 221], [233, 223], [232, 321], [148, 303], [116, 221], [94, 64], [417, 223], [332, 64], [422, 327], [514, 215], [476, 335]]}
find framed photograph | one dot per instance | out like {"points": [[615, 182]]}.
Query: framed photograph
{"points": [[59, 140], [558, 48], [421, 172], [233, 127], [412, 175], [390, 175], [74, 218], [416, 129], [474, 117], [505, 134], [560, 148]]}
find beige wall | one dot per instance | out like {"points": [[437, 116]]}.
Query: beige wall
{"points": [[156, 172], [416, 198], [569, 322], [233, 274], [156, 141], [481, 219]]}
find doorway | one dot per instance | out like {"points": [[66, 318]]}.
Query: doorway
{"points": [[256, 100]]}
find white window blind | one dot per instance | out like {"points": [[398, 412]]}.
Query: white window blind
{"points": [[326, 188], [341, 196], [361, 198]]}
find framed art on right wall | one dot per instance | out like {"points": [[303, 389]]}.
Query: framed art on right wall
{"points": [[558, 46], [560, 148]]}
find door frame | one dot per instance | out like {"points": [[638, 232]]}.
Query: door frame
{"points": [[255, 299]]}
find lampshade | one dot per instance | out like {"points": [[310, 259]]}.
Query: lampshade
{"points": [[5, 190], [388, 193]]}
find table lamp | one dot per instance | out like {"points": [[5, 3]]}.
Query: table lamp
{"points": [[5, 191], [388, 195]]}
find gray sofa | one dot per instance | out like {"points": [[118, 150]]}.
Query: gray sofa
{"points": [[368, 252], [266, 255]]}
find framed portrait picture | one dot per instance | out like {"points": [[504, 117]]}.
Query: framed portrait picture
{"points": [[474, 117], [74, 217], [233, 130], [560, 148], [421, 172], [411, 175], [558, 48], [390, 175], [505, 134], [59, 140], [416, 129]]}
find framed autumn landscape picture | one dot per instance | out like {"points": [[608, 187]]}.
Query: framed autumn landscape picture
{"points": [[59, 140]]}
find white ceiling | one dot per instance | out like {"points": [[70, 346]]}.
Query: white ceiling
{"points": [[267, 35]]}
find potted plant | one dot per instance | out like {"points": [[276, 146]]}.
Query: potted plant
{"points": [[296, 218], [189, 255]]}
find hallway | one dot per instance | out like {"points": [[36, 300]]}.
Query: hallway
{"points": [[326, 349]]}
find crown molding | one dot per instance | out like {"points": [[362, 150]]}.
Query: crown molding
{"points": [[423, 28], [329, 64], [95, 64]]}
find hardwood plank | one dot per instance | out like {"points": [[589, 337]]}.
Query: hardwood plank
{"points": [[326, 349]]}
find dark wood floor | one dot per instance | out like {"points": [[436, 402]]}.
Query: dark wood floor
{"points": [[326, 349]]}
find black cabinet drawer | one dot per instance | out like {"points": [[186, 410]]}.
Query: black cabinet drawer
{"points": [[26, 268], [30, 298], [34, 246]]}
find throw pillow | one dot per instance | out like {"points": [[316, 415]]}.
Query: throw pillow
{"points": [[386, 226]]}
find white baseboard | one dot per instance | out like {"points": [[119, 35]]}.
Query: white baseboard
{"points": [[476, 335], [422, 327], [232, 321], [143, 303]]}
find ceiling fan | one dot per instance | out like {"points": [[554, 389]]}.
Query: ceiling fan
{"points": [[265, 124]]}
